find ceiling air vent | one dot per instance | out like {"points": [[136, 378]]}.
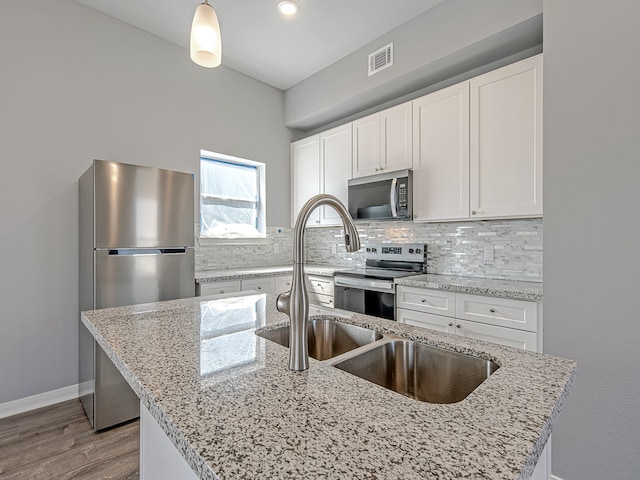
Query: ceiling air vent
{"points": [[381, 59]]}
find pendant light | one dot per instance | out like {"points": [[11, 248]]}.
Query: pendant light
{"points": [[206, 43], [288, 7]]}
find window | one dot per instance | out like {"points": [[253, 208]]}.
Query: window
{"points": [[232, 197]]}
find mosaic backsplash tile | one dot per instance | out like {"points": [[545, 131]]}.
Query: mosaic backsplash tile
{"points": [[456, 248], [276, 250]]}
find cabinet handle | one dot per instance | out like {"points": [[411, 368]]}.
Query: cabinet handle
{"points": [[423, 300], [473, 212], [221, 291], [451, 324], [259, 287], [458, 326], [415, 215], [317, 221], [377, 169], [492, 310]]}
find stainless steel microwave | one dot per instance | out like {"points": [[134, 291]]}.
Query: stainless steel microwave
{"points": [[387, 196]]}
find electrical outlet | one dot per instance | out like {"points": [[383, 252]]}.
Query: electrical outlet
{"points": [[488, 253]]}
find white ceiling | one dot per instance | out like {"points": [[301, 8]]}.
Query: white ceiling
{"points": [[261, 43]]}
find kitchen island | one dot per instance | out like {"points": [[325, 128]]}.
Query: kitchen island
{"points": [[228, 403]]}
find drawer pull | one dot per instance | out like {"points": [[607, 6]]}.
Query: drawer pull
{"points": [[492, 310], [451, 324], [221, 291], [458, 326], [423, 300], [259, 287]]}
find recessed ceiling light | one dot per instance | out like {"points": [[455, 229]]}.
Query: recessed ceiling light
{"points": [[288, 7]]}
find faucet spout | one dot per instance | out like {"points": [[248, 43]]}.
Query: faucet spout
{"points": [[295, 302]]}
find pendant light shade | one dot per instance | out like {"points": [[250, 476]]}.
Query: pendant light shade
{"points": [[206, 44]]}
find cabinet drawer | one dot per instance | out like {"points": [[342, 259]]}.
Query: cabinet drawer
{"points": [[500, 335], [502, 312], [426, 300], [320, 285], [219, 287], [425, 320], [322, 300], [283, 284], [266, 285]]}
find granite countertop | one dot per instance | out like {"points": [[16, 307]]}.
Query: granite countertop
{"points": [[531, 291], [255, 272], [229, 404]]}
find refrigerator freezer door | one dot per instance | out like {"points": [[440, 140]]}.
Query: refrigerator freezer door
{"points": [[142, 276], [142, 206]]}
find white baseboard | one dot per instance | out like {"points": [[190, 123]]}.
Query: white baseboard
{"points": [[45, 399]]}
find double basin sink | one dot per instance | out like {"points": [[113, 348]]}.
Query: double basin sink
{"points": [[413, 369]]}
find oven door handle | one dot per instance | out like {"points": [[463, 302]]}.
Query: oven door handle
{"points": [[364, 283], [393, 198]]}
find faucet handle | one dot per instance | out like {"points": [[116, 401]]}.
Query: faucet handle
{"points": [[283, 302]]}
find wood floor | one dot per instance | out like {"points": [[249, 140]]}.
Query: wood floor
{"points": [[57, 442]]}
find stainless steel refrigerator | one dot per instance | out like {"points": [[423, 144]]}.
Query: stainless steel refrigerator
{"points": [[136, 246]]}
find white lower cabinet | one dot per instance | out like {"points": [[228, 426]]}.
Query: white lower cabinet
{"points": [[283, 283], [320, 290], [505, 321], [260, 284], [216, 288]]}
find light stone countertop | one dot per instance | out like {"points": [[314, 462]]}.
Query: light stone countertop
{"points": [[229, 404], [531, 291], [209, 276]]}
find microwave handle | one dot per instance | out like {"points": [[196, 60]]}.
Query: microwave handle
{"points": [[393, 197]]}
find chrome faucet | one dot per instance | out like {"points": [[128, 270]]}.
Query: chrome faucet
{"points": [[295, 302]]}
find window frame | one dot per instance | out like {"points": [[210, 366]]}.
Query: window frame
{"points": [[261, 204]]}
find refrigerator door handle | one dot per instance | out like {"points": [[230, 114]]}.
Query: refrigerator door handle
{"points": [[146, 251]]}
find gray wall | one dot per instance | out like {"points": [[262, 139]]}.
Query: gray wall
{"points": [[77, 85], [453, 37], [592, 226]]}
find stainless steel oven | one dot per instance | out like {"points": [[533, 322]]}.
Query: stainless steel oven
{"points": [[371, 290]]}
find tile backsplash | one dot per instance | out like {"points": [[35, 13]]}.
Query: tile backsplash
{"points": [[277, 249], [456, 248]]}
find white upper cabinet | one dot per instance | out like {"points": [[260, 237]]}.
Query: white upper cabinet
{"points": [[441, 154], [305, 176], [382, 142], [321, 164], [477, 147], [506, 141], [335, 158]]}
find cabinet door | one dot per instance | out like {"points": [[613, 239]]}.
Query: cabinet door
{"points": [[335, 158], [366, 146], [506, 141], [501, 335], [220, 287], [441, 154], [283, 284], [262, 284], [425, 320], [305, 176], [426, 300], [396, 138]]}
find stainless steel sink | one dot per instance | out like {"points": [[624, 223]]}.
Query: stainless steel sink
{"points": [[327, 338], [419, 371]]}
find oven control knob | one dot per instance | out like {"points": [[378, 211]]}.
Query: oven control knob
{"points": [[374, 250], [368, 249], [411, 250], [418, 250]]}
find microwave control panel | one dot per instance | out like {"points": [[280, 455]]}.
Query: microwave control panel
{"points": [[402, 199]]}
